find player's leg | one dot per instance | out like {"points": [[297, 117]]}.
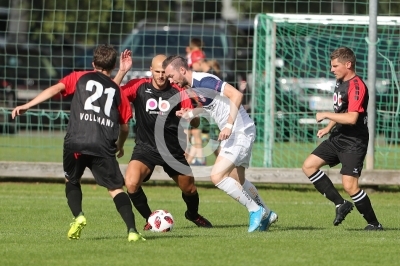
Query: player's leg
{"points": [[138, 171], [74, 166], [231, 186], [107, 173], [236, 152], [351, 172], [325, 154], [180, 171], [272, 217]]}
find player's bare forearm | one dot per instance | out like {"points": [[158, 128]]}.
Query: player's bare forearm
{"points": [[123, 135], [330, 125], [41, 97], [235, 98], [188, 114], [349, 118], [119, 77]]}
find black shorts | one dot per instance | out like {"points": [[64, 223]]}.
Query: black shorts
{"points": [[105, 170], [173, 165], [352, 163]]}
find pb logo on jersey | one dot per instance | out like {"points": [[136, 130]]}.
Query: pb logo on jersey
{"points": [[162, 105]]}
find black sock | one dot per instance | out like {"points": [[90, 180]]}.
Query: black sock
{"points": [[139, 200], [192, 203], [73, 193], [124, 207], [325, 186], [364, 206]]}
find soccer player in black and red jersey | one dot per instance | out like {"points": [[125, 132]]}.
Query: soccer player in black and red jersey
{"points": [[155, 100], [97, 130], [347, 143]]}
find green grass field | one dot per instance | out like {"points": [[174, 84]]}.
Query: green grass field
{"points": [[35, 219]]}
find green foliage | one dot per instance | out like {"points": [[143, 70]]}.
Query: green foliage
{"points": [[36, 220]]}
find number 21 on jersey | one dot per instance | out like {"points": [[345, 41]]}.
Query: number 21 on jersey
{"points": [[110, 92]]}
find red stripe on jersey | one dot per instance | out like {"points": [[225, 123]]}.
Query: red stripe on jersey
{"points": [[130, 88], [70, 81], [356, 93]]}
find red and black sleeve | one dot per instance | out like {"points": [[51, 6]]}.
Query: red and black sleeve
{"points": [[70, 82], [356, 96], [130, 88]]}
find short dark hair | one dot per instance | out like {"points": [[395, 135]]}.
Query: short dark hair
{"points": [[196, 42], [343, 55], [105, 57], [176, 61]]}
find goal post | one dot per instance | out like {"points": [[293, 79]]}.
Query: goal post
{"points": [[291, 78]]}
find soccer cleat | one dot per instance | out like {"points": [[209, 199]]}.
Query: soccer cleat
{"points": [[266, 223], [371, 227], [255, 219], [76, 227], [147, 227], [341, 211], [200, 221], [135, 236]]}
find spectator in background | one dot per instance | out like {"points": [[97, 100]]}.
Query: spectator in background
{"points": [[195, 44]]}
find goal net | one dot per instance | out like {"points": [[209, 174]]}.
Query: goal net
{"points": [[292, 79]]}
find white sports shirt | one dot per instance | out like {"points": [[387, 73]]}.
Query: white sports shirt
{"points": [[210, 91]]}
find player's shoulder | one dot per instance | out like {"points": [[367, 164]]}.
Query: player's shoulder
{"points": [[137, 82], [201, 76], [358, 81]]}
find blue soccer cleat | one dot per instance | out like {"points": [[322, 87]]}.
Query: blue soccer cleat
{"points": [[255, 219]]}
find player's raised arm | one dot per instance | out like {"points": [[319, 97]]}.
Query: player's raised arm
{"points": [[125, 63], [41, 97]]}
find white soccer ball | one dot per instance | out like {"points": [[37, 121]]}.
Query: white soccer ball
{"points": [[161, 221]]}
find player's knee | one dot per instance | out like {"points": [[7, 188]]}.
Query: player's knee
{"points": [[309, 167], [131, 184], [216, 178], [188, 187], [69, 186], [351, 188]]}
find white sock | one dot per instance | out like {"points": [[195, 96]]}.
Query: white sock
{"points": [[236, 191], [253, 193]]}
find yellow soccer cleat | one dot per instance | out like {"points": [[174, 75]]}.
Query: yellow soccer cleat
{"points": [[76, 227], [135, 236]]}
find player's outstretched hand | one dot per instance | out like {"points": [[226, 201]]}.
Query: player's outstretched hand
{"points": [[19, 110], [125, 60], [120, 152], [322, 132], [184, 113]]}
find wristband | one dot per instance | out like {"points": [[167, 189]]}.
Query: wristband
{"points": [[227, 125], [190, 114]]}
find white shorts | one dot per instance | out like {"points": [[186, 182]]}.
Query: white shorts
{"points": [[238, 147]]}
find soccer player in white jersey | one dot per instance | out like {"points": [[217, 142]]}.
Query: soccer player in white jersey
{"points": [[223, 102]]}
